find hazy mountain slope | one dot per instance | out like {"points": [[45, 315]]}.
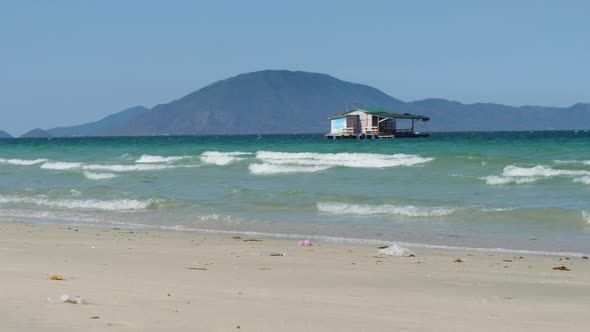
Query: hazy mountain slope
{"points": [[36, 133], [100, 127], [4, 134]]}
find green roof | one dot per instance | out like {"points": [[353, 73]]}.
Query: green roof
{"points": [[386, 113]]}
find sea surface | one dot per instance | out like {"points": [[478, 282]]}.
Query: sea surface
{"points": [[520, 191]]}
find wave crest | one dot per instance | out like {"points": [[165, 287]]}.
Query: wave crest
{"points": [[383, 209], [22, 162], [113, 205], [222, 158], [149, 159]]}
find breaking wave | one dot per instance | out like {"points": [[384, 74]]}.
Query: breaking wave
{"points": [[113, 205], [148, 159], [60, 165], [361, 160], [222, 158], [99, 176], [519, 175], [282, 169], [22, 162], [383, 209]]}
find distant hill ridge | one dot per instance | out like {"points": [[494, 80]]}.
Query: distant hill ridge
{"points": [[4, 134], [36, 133], [281, 101]]}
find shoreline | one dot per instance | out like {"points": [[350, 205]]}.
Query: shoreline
{"points": [[155, 280], [336, 240]]}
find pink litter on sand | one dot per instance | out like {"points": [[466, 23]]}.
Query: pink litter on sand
{"points": [[304, 243]]}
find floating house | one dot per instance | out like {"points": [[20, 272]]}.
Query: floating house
{"points": [[374, 124]]}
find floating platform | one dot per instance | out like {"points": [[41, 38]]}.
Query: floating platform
{"points": [[376, 136]]}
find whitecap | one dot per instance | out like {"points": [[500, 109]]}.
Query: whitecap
{"points": [[148, 159], [282, 169], [586, 216], [126, 168], [583, 180], [22, 162], [222, 158], [354, 160], [99, 176], [383, 209], [122, 204], [61, 165], [519, 175]]}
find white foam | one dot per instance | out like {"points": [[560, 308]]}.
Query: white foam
{"points": [[572, 162], [148, 159], [22, 162], [222, 158], [99, 176], [496, 180], [123, 204], [126, 168], [583, 180], [519, 175], [282, 169], [60, 165], [383, 209], [355, 160], [586, 217]]}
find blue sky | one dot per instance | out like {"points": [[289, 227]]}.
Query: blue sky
{"points": [[68, 62]]}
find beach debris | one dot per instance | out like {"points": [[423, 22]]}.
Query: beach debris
{"points": [[584, 257], [57, 277], [94, 317], [252, 240], [561, 268], [382, 247], [458, 260], [65, 298], [197, 268], [277, 254], [236, 237], [395, 250], [507, 260], [304, 243]]}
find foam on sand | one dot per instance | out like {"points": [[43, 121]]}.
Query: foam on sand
{"points": [[383, 209], [99, 176], [22, 162], [122, 204], [222, 158]]}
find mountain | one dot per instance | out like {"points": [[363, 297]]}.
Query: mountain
{"points": [[36, 133], [280, 101], [101, 127], [4, 134], [270, 101]]}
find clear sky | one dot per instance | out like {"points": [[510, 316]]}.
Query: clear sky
{"points": [[69, 62]]}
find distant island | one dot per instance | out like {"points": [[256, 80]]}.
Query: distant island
{"points": [[281, 101]]}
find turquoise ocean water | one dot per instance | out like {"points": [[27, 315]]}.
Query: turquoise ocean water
{"points": [[517, 191]]}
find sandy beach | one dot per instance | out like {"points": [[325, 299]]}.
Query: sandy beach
{"points": [[135, 280]]}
